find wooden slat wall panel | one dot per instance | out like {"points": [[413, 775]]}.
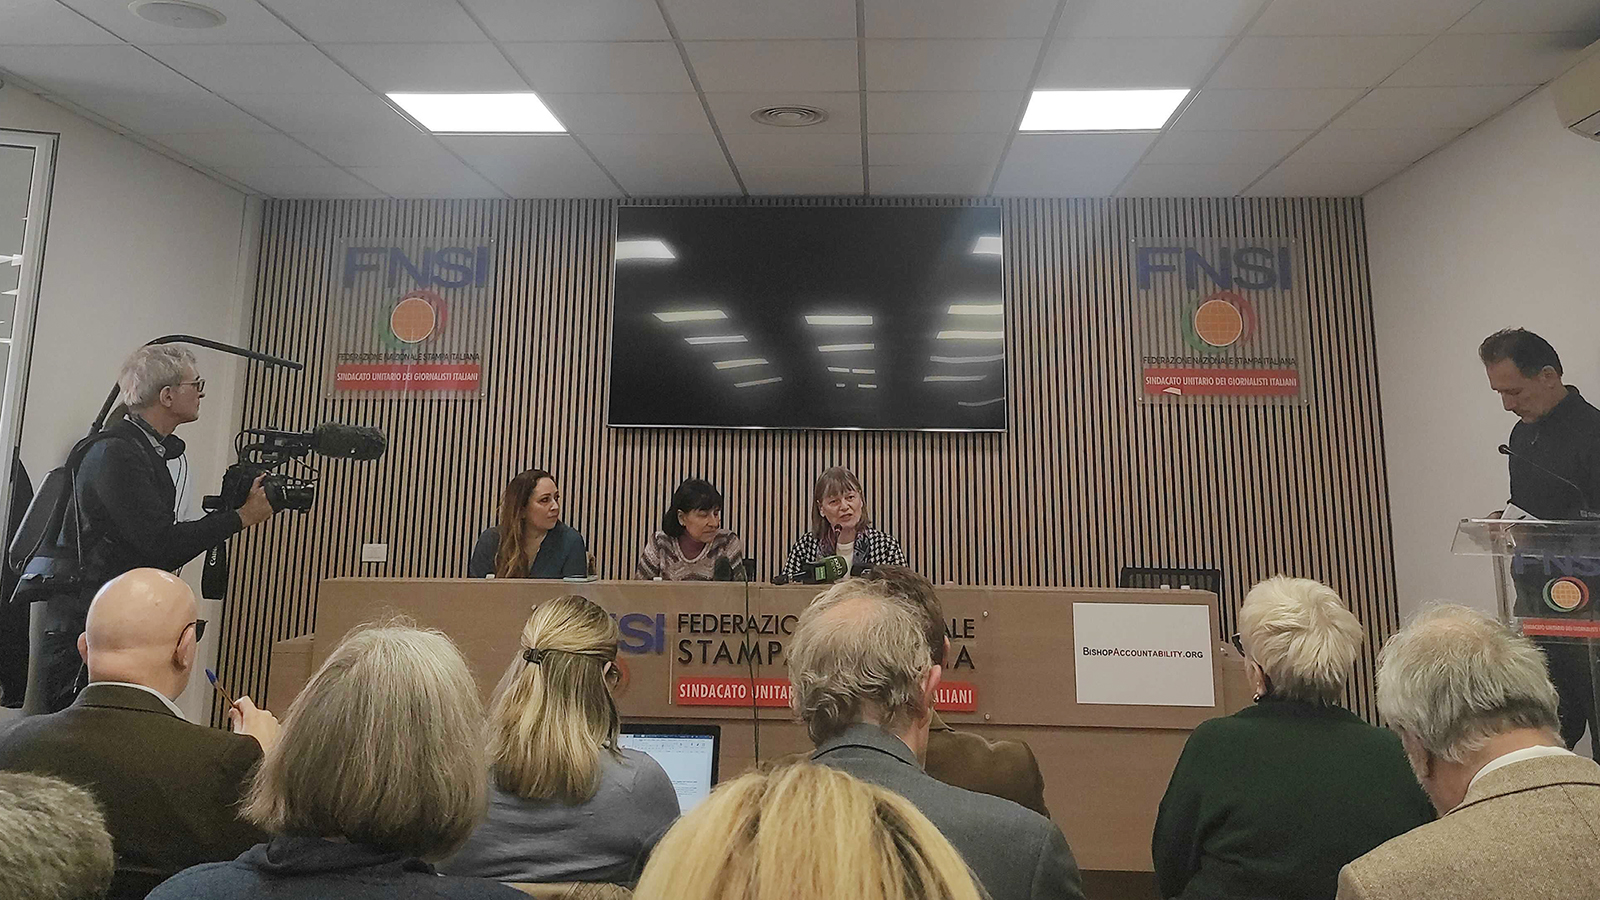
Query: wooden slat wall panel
{"points": [[1085, 481]]}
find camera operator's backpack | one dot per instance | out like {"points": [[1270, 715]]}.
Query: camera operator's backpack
{"points": [[48, 547]]}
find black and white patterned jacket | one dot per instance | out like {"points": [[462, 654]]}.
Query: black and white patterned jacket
{"points": [[873, 548]]}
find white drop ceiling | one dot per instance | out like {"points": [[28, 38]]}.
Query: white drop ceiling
{"points": [[1293, 97]]}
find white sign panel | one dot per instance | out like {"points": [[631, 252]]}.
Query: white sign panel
{"points": [[1143, 654]]}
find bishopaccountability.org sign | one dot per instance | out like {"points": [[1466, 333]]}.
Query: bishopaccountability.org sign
{"points": [[411, 318], [1219, 320], [1143, 654]]}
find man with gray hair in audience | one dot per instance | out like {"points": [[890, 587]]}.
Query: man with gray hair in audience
{"points": [[1519, 813], [864, 682], [53, 841]]}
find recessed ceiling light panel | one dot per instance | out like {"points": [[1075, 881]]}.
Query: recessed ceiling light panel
{"points": [[517, 112], [1143, 110], [177, 13]]}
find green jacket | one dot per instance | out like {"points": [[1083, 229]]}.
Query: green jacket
{"points": [[1272, 800]]}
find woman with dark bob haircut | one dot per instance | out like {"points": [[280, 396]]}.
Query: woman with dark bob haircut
{"points": [[530, 540], [692, 545]]}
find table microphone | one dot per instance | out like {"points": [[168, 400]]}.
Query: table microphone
{"points": [[824, 570], [722, 571], [1585, 511]]}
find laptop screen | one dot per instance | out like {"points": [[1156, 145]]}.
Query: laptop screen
{"points": [[688, 753]]}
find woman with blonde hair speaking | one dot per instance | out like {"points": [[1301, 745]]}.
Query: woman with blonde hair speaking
{"points": [[805, 832], [1272, 800], [566, 803], [379, 767]]}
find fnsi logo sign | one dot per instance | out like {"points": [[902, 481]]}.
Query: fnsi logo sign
{"points": [[1218, 319], [400, 333]]}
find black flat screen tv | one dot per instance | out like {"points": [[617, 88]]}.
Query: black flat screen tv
{"points": [[887, 318]]}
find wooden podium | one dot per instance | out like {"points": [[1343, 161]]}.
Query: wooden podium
{"points": [[690, 650]]}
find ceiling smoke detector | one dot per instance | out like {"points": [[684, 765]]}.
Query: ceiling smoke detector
{"points": [[177, 13], [790, 116]]}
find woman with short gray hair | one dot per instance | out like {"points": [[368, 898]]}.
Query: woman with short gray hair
{"points": [[379, 767], [1272, 800]]}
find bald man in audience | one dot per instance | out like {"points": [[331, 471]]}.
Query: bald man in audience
{"points": [[169, 787]]}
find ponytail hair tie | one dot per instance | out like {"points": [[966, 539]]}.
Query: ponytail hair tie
{"points": [[534, 655]]}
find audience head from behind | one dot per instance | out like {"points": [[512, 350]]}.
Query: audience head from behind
{"points": [[1299, 639], [529, 506], [552, 714], [1524, 370], [1462, 689], [695, 512], [159, 384], [917, 592], [53, 841], [142, 629], [859, 655], [805, 832]]}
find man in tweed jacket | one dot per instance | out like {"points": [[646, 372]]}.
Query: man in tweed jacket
{"points": [[1519, 813]]}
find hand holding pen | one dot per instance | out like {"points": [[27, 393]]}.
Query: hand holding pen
{"points": [[244, 717]]}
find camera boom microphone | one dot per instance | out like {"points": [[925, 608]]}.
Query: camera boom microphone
{"points": [[348, 441]]}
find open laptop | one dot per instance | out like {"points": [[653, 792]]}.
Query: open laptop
{"points": [[688, 753]]}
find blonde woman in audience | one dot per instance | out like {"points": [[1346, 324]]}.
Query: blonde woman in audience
{"points": [[379, 767], [1272, 800], [805, 832], [566, 803]]}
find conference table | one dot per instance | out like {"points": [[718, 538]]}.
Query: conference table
{"points": [[1078, 673]]}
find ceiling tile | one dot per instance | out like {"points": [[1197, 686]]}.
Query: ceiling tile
{"points": [[570, 20], [1129, 62], [534, 165], [794, 147], [447, 180], [664, 164], [743, 20], [1529, 16], [965, 181], [1387, 145], [36, 22], [1321, 17], [629, 113], [941, 111], [1156, 18], [1263, 110], [1208, 180], [171, 113], [975, 65], [582, 67], [247, 23], [241, 151], [286, 68], [302, 181], [399, 146], [735, 66], [319, 112], [1251, 149], [733, 111], [1297, 179], [93, 70], [429, 67], [1069, 165], [1314, 62], [930, 150], [958, 18], [1429, 107], [1468, 59], [389, 21], [827, 180]]}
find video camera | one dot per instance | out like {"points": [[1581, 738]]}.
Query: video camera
{"points": [[261, 450]]}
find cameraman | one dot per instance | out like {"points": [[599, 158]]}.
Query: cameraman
{"points": [[128, 503]]}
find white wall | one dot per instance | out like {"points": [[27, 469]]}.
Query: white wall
{"points": [[1499, 229], [138, 246]]}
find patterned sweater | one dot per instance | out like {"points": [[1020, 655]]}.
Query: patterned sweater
{"points": [[873, 548], [663, 558]]}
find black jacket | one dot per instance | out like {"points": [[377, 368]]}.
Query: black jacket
{"points": [[126, 498], [169, 788], [1567, 443]]}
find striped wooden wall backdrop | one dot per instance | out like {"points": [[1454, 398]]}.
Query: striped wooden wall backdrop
{"points": [[1085, 481]]}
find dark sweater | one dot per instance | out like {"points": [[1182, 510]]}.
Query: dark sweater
{"points": [[289, 868], [562, 553], [1272, 800]]}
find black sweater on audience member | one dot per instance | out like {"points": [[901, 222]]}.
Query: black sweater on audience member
{"points": [[1272, 800]]}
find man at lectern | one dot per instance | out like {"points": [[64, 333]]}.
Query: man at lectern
{"points": [[1554, 461]]}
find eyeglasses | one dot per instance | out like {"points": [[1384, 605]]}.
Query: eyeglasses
{"points": [[1238, 644], [199, 626], [199, 385], [1266, 680]]}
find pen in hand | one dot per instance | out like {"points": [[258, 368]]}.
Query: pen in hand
{"points": [[212, 677]]}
